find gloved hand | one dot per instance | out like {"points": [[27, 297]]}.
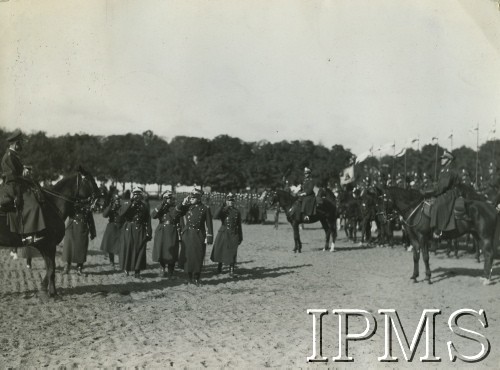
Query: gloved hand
{"points": [[185, 201], [149, 237], [18, 202]]}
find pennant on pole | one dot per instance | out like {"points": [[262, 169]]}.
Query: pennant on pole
{"points": [[401, 153]]}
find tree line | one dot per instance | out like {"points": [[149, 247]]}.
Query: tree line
{"points": [[224, 163]]}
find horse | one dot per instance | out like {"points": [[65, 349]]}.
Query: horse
{"points": [[351, 209], [58, 202], [482, 222], [326, 214]]}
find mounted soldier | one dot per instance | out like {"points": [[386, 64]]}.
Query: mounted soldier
{"points": [[27, 219], [446, 193], [307, 198]]}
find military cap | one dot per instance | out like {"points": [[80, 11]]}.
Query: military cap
{"points": [[17, 135], [307, 170], [167, 194], [446, 154], [137, 190], [230, 196], [197, 193]]}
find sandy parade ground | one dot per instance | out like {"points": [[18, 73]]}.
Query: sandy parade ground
{"points": [[106, 319]]}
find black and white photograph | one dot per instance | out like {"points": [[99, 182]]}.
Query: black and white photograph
{"points": [[215, 184]]}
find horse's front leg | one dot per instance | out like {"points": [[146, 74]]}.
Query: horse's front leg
{"points": [[296, 237], [425, 256], [487, 246]]}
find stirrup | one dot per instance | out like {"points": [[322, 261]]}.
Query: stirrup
{"points": [[31, 240]]}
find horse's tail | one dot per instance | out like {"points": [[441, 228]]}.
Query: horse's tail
{"points": [[496, 240]]}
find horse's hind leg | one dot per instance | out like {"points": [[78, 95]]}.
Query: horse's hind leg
{"points": [[48, 282]]}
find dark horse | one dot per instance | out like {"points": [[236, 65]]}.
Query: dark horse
{"points": [[57, 205], [326, 213], [481, 221]]}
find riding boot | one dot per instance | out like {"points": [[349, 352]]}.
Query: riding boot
{"points": [[67, 268], [79, 268], [219, 267], [197, 279]]}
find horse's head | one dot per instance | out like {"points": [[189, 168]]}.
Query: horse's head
{"points": [[78, 188], [87, 189], [271, 198]]}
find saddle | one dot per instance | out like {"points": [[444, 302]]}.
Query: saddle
{"points": [[459, 211]]}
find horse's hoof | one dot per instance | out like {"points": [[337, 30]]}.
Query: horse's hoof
{"points": [[324, 249], [485, 281], [428, 280]]}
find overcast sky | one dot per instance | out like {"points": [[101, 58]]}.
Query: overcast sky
{"points": [[349, 72]]}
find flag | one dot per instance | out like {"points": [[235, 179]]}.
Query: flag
{"points": [[451, 136], [363, 156], [472, 129], [401, 153], [347, 175], [410, 142]]}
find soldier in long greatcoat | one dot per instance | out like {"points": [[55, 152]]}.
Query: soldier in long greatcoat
{"points": [[76, 238], [229, 236], [136, 232], [307, 196], [197, 230], [446, 194], [27, 220], [166, 239], [112, 234]]}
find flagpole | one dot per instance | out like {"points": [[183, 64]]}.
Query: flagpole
{"points": [[405, 171], [451, 141], [436, 162], [477, 152]]}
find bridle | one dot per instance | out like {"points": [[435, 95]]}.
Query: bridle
{"points": [[92, 199], [387, 217]]}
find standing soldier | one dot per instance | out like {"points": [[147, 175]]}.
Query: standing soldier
{"points": [[166, 241], [111, 238], [136, 233], [229, 237], [198, 227], [76, 239]]}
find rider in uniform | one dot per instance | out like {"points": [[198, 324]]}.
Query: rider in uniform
{"points": [[27, 220], [446, 193], [307, 198]]}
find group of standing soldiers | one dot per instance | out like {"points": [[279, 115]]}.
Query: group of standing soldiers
{"points": [[181, 237]]}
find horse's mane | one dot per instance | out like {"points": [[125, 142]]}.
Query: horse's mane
{"points": [[468, 192], [63, 182], [408, 197]]}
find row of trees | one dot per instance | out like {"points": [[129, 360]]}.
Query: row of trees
{"points": [[224, 163]]}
